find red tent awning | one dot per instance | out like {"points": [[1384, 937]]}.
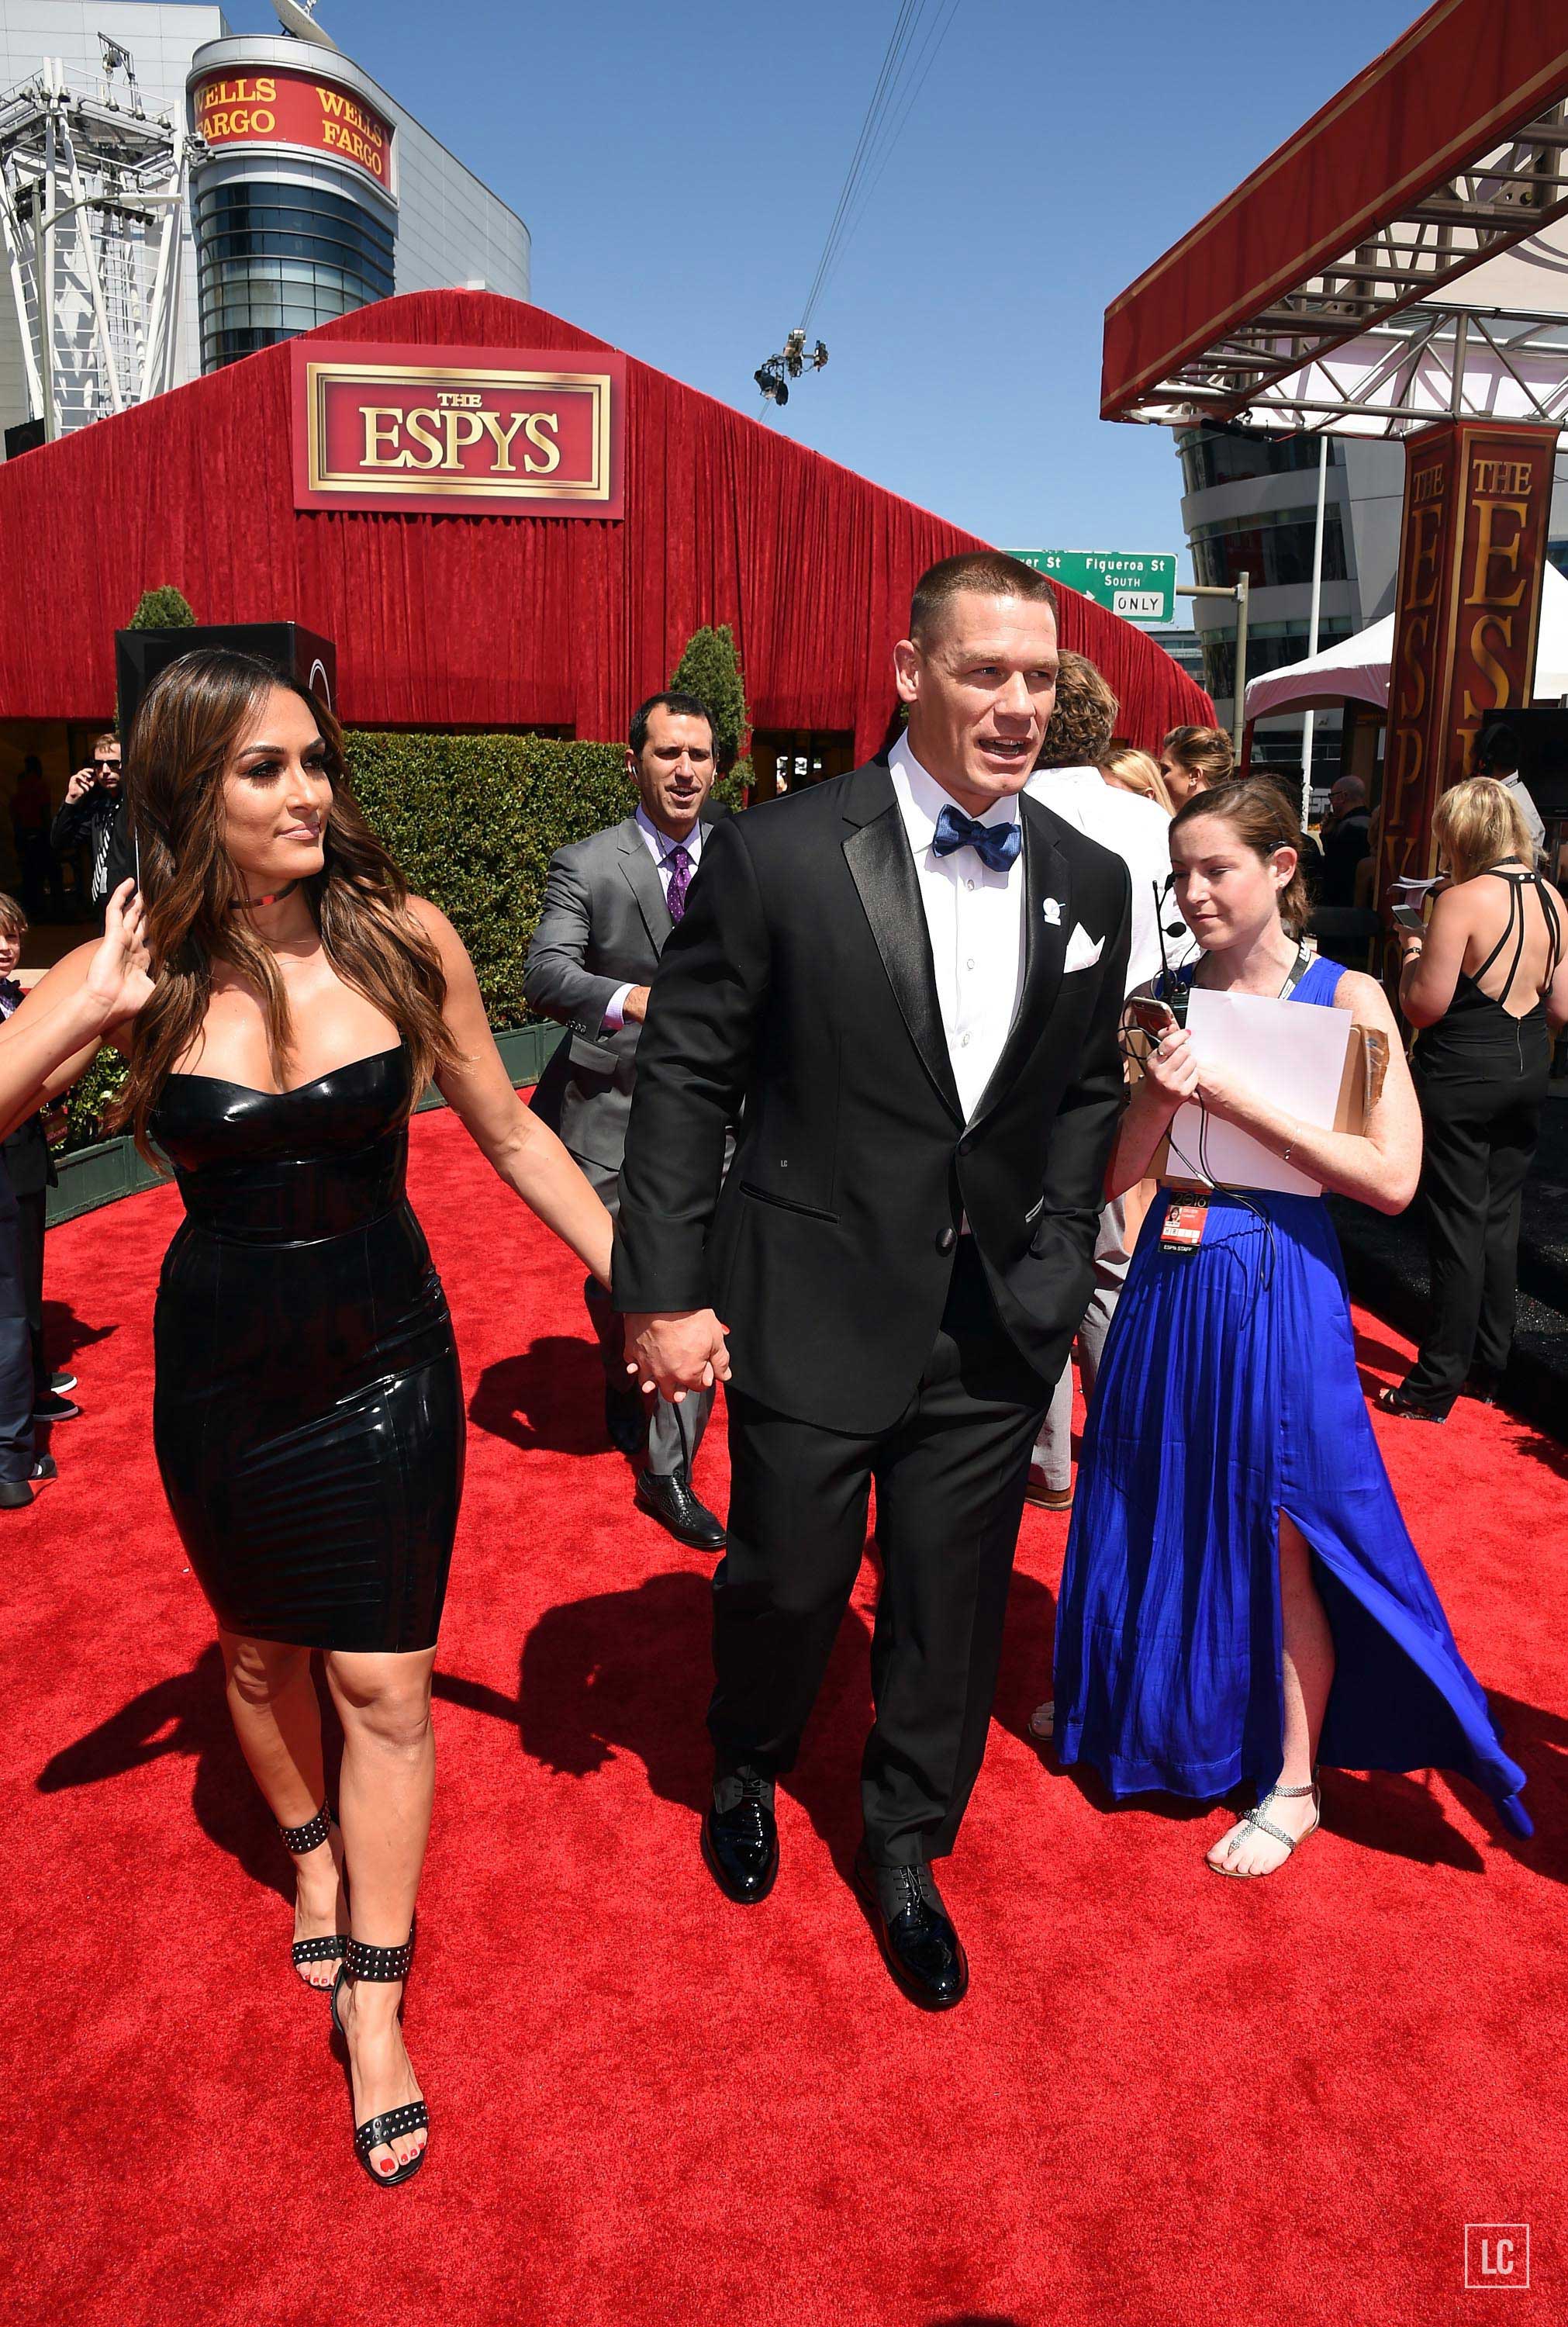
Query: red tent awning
{"points": [[1466, 75]]}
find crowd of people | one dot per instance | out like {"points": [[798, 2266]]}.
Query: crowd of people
{"points": [[864, 1109]]}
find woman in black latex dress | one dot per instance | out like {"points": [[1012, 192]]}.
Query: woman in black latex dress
{"points": [[283, 1002]]}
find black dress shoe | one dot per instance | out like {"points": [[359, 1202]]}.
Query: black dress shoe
{"points": [[16, 1494], [740, 1837], [671, 1501], [625, 1423], [919, 1946]]}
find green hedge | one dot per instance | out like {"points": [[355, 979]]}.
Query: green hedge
{"points": [[473, 821]]}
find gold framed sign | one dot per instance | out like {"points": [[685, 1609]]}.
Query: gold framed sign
{"points": [[456, 432]]}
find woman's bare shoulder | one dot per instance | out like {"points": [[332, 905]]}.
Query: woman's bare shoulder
{"points": [[1363, 998]]}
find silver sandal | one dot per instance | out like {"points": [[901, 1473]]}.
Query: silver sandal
{"points": [[1253, 1818]]}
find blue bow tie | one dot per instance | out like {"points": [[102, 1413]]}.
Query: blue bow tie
{"points": [[997, 845]]}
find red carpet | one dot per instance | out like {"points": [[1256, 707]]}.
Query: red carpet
{"points": [[1167, 2099]]}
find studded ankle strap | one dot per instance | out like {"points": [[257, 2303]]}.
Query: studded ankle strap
{"points": [[363, 1962], [309, 1837]]}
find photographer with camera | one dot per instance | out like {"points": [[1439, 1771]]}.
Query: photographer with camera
{"points": [[92, 818]]}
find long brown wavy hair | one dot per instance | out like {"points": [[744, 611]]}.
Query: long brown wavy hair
{"points": [[190, 724]]}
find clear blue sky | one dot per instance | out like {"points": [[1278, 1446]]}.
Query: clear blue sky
{"points": [[679, 167]]}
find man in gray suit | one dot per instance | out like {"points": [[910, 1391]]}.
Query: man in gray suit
{"points": [[610, 903]]}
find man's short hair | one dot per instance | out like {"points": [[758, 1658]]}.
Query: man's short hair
{"points": [[684, 707], [990, 573], [1084, 718], [12, 920], [106, 742]]}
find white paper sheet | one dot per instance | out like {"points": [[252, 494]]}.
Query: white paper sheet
{"points": [[1292, 1054]]}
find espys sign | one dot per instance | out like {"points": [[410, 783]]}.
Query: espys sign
{"points": [[1478, 507], [1141, 589], [456, 432], [293, 108]]}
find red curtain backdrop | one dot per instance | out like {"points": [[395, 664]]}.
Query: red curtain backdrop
{"points": [[491, 621]]}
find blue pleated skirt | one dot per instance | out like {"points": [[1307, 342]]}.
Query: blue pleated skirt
{"points": [[1228, 1394]]}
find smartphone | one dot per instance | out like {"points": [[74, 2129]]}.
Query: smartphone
{"points": [[1406, 917], [1156, 1019]]}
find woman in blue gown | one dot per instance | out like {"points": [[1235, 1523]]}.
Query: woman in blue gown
{"points": [[1241, 1598]]}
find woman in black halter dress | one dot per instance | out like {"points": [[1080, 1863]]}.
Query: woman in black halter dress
{"points": [[283, 1002], [1482, 1064]]}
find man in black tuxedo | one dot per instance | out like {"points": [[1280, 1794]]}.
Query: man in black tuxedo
{"points": [[912, 978]]}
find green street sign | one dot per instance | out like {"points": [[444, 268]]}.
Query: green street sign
{"points": [[1139, 589]]}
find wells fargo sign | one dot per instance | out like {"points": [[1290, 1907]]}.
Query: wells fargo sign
{"points": [[293, 108], [1472, 549], [480, 432]]}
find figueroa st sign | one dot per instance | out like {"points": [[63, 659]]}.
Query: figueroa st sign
{"points": [[455, 432], [295, 108]]}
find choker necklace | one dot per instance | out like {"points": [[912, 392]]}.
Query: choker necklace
{"points": [[250, 904]]}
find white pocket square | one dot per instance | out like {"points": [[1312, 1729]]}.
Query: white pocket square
{"points": [[1082, 951]]}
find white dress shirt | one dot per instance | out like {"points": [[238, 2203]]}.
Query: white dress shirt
{"points": [[975, 920], [1514, 786], [1136, 830], [660, 848]]}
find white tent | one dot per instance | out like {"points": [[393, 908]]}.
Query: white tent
{"points": [[1357, 669]]}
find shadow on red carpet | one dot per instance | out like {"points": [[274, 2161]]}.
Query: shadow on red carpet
{"points": [[1167, 2099]]}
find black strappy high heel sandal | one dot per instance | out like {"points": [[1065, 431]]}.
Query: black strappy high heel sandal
{"points": [[330, 1947], [363, 1962]]}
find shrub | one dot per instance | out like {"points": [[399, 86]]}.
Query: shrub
{"points": [[166, 609], [710, 668], [473, 821], [88, 1097]]}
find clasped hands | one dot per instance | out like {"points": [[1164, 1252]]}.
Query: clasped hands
{"points": [[676, 1352]]}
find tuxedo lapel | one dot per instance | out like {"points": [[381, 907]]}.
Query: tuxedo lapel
{"points": [[642, 873], [1045, 878], [877, 853]]}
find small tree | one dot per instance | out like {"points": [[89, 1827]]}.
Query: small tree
{"points": [[166, 609], [711, 669]]}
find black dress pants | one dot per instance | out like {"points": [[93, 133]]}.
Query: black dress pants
{"points": [[950, 1476], [1480, 1116], [16, 1374], [31, 1210]]}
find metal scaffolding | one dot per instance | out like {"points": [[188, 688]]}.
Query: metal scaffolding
{"points": [[1451, 308], [92, 204]]}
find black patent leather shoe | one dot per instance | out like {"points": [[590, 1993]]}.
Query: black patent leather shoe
{"points": [[671, 1500], [919, 1946], [740, 1837], [625, 1423]]}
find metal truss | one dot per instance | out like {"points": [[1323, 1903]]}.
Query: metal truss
{"points": [[92, 200], [1405, 355]]}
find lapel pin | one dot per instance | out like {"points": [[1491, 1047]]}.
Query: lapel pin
{"points": [[1051, 908]]}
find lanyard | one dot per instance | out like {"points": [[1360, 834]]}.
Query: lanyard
{"points": [[1299, 968]]}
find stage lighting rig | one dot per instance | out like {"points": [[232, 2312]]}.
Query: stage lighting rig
{"points": [[773, 376]]}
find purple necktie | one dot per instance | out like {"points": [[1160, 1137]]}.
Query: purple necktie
{"points": [[680, 861]]}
